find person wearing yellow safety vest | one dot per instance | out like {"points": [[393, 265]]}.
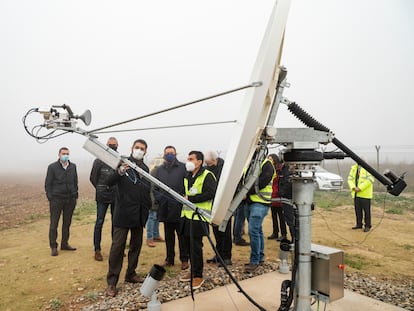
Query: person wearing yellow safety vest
{"points": [[200, 187], [256, 209], [361, 184]]}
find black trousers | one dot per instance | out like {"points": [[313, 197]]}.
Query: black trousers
{"points": [[116, 255], [170, 229], [362, 208], [196, 254], [223, 241], [193, 232], [278, 220], [289, 215], [58, 207]]}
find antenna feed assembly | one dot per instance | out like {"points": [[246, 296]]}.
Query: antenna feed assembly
{"points": [[62, 117], [56, 118]]}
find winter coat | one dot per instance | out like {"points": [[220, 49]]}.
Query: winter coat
{"points": [[100, 174], [133, 199], [169, 209], [285, 185], [61, 183]]}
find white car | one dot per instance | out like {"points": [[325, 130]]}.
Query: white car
{"points": [[325, 180]]}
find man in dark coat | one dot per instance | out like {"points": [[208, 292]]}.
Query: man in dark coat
{"points": [[285, 191], [61, 186], [132, 206], [171, 173], [223, 239], [104, 196]]}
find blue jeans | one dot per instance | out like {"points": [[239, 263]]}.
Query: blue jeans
{"points": [[101, 209], [255, 214], [153, 226], [239, 218]]}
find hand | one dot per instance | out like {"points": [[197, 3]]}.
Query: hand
{"points": [[356, 189], [122, 169]]}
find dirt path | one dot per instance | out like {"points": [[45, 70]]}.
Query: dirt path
{"points": [[31, 279]]}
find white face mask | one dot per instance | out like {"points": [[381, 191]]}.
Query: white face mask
{"points": [[189, 166], [138, 154]]}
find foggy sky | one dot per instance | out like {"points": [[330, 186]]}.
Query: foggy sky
{"points": [[350, 65]]}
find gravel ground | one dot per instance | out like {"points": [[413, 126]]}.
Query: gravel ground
{"points": [[129, 298]]}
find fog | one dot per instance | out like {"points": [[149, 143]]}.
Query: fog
{"points": [[350, 65]]}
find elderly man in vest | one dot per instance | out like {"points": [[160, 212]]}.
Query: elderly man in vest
{"points": [[257, 207], [200, 187], [361, 184]]}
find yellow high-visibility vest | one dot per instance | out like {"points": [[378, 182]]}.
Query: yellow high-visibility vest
{"points": [[197, 188], [265, 192]]}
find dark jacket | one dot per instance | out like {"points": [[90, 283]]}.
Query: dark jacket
{"points": [[285, 185], [169, 209], [133, 199], [216, 169], [61, 183], [100, 174]]}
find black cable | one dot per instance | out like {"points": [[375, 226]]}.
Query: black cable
{"points": [[204, 226], [225, 267], [254, 84]]}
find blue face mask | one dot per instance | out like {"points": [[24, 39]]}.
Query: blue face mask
{"points": [[64, 158], [169, 157]]}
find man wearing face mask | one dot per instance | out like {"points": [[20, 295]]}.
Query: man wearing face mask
{"points": [[105, 196], [200, 186], [223, 239], [61, 186], [171, 173], [132, 206]]}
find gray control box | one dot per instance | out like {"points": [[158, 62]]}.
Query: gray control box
{"points": [[327, 272]]}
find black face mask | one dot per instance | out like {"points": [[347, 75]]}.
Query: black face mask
{"points": [[113, 147]]}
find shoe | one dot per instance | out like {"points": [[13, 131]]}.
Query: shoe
{"points": [[272, 237], [159, 239], [227, 262], [197, 282], [212, 260], [184, 265], [366, 229], [166, 263], [242, 242], [134, 279], [67, 247], [111, 291], [282, 237], [356, 227], [250, 267], [186, 277], [150, 243], [98, 256], [54, 251]]}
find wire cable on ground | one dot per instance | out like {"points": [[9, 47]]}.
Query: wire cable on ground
{"points": [[345, 239]]}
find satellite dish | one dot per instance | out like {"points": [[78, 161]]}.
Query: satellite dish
{"points": [[86, 117]]}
